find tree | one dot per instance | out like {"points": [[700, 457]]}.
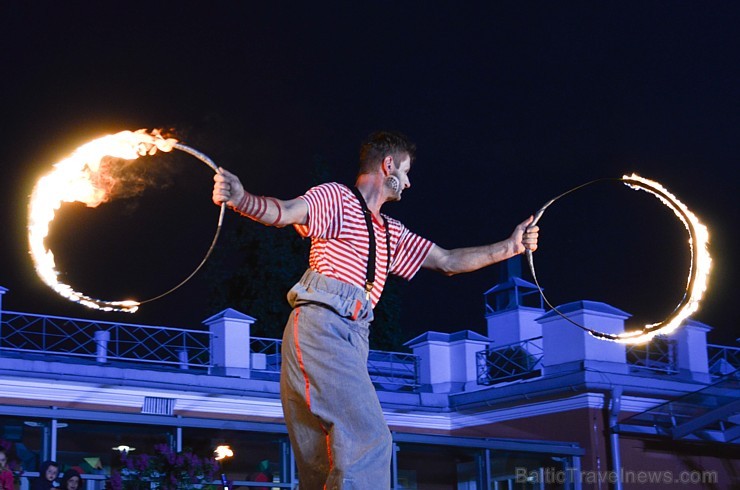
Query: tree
{"points": [[253, 271]]}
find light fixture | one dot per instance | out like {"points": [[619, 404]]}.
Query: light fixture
{"points": [[124, 449]]}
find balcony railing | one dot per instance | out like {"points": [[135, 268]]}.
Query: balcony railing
{"points": [[105, 341], [524, 359], [723, 359], [266, 359], [510, 362], [392, 371], [658, 355]]}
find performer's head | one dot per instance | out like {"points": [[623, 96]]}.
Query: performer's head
{"points": [[389, 154], [382, 144]]}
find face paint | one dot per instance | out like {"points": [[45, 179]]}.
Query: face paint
{"points": [[398, 180]]}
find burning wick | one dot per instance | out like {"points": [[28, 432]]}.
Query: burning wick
{"points": [[78, 178], [696, 283], [223, 452]]}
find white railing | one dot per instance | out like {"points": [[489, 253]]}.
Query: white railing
{"points": [[509, 362], [658, 355], [105, 341], [393, 371], [723, 359]]}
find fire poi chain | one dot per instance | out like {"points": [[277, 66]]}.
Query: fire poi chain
{"points": [[81, 178]]}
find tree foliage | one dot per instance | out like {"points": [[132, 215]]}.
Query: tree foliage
{"points": [[253, 272]]}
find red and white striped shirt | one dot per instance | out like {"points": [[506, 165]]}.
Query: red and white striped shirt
{"points": [[340, 242]]}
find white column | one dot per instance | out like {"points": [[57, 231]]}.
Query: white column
{"points": [[230, 342], [691, 340], [53, 442], [102, 337], [463, 360], [178, 440], [447, 362], [565, 344], [512, 326], [433, 350]]}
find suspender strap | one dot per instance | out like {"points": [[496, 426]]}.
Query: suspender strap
{"points": [[370, 274]]}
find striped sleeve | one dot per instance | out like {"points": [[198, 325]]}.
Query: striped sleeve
{"points": [[411, 251], [324, 211]]}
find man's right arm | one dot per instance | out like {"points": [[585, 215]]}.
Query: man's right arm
{"points": [[227, 188], [470, 259]]}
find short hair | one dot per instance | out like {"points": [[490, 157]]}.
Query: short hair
{"points": [[68, 475], [382, 143]]}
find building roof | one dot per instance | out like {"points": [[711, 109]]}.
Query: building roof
{"points": [[230, 314], [586, 305], [509, 283], [432, 336]]}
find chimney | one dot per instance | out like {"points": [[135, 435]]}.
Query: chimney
{"points": [[512, 306]]}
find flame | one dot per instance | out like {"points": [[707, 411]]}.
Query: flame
{"points": [[223, 452], [78, 178], [698, 277], [701, 263]]}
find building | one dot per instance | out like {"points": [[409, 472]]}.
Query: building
{"points": [[534, 403]]}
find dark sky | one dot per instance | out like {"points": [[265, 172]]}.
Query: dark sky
{"points": [[510, 103]]}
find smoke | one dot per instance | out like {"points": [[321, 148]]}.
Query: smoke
{"points": [[117, 178]]}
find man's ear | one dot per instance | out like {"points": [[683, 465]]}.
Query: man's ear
{"points": [[387, 165]]}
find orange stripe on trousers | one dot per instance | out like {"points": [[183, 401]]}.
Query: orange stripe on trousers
{"points": [[299, 354]]}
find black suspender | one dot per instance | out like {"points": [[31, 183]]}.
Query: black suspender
{"points": [[370, 275]]}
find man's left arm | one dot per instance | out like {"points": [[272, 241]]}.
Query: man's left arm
{"points": [[469, 259]]}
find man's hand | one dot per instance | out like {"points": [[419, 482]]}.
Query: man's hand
{"points": [[227, 188], [525, 236]]}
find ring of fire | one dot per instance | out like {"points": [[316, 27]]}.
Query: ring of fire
{"points": [[76, 179], [698, 271]]}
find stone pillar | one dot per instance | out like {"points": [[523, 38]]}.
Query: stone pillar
{"points": [[230, 342], [447, 362], [433, 352], [463, 360], [691, 346], [566, 346]]}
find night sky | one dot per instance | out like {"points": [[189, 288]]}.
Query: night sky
{"points": [[509, 103]]}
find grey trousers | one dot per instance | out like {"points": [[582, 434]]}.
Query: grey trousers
{"points": [[335, 423]]}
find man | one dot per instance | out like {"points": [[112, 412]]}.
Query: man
{"points": [[334, 418]]}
